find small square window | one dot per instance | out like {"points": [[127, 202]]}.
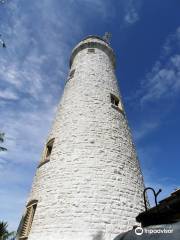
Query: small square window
{"points": [[115, 102], [91, 50], [47, 153]]}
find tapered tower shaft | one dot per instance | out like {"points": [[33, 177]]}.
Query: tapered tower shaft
{"points": [[88, 184]]}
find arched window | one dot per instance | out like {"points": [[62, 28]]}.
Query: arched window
{"points": [[49, 147]]}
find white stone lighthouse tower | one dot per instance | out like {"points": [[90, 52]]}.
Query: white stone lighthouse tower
{"points": [[88, 184]]}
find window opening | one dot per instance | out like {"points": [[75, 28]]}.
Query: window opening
{"points": [[115, 102], [91, 50], [49, 147], [28, 219]]}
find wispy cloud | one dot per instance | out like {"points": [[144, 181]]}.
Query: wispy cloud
{"points": [[39, 38], [132, 11], [160, 84], [163, 81], [144, 130], [172, 43], [131, 15], [8, 94], [32, 75], [105, 9]]}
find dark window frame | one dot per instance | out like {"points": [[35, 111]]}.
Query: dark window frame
{"points": [[91, 50], [47, 152], [28, 219], [115, 103], [114, 100]]}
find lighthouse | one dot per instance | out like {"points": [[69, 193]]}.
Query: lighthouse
{"points": [[88, 184]]}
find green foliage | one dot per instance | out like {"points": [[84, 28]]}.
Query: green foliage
{"points": [[4, 234], [2, 135], [2, 43]]}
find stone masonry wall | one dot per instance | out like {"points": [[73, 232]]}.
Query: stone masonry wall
{"points": [[92, 186]]}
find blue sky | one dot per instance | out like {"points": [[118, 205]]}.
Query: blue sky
{"points": [[40, 36]]}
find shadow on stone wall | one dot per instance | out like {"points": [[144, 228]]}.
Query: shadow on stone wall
{"points": [[98, 236]]}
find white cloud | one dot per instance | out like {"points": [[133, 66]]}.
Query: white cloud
{"points": [[24, 78], [39, 38], [172, 42], [131, 16], [104, 8], [132, 11], [33, 70], [163, 81], [144, 130], [8, 94]]}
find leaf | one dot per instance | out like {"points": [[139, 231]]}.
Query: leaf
{"points": [[3, 149], [2, 137], [3, 229]]}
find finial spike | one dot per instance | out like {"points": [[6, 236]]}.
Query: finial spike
{"points": [[107, 36]]}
